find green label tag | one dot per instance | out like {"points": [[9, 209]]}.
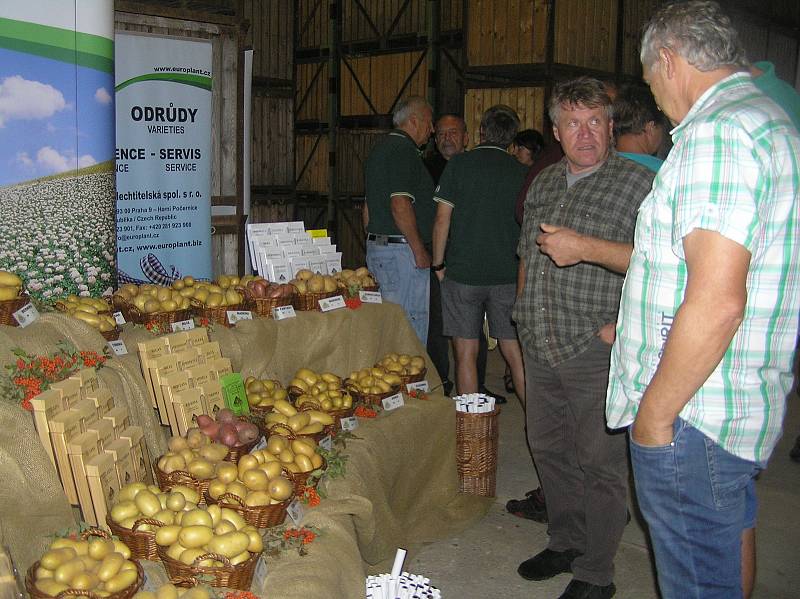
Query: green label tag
{"points": [[234, 393]]}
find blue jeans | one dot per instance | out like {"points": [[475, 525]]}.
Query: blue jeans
{"points": [[402, 282], [697, 499]]}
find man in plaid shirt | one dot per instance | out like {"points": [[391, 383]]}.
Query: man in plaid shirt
{"points": [[575, 244], [709, 314]]}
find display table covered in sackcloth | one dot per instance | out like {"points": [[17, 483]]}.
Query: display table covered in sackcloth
{"points": [[401, 486]]}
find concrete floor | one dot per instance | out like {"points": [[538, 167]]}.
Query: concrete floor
{"points": [[482, 561]]}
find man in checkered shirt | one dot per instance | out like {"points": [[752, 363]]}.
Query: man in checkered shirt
{"points": [[575, 245]]}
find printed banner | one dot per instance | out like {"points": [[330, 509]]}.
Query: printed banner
{"points": [[163, 105], [57, 145]]}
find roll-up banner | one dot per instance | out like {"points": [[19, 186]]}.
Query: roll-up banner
{"points": [[57, 145], [163, 108]]}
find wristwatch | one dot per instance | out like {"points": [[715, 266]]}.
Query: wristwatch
{"points": [[437, 267]]}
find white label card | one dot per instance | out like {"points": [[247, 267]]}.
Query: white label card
{"points": [[260, 445], [283, 312], [118, 347], [260, 575], [296, 511], [331, 303], [349, 424], [326, 443], [418, 386], [371, 297], [119, 318], [26, 315], [235, 316], [182, 325], [393, 402]]}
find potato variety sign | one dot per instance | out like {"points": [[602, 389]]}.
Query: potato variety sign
{"points": [[163, 154]]}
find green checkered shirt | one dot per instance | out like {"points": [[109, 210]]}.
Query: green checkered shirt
{"points": [[733, 169], [561, 309]]}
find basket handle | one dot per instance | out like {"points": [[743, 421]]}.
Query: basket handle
{"points": [[310, 404], [233, 496], [150, 521], [280, 425], [95, 532], [215, 556], [77, 593]]}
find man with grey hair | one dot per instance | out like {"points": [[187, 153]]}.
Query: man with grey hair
{"points": [[707, 326], [574, 248], [475, 225], [398, 212]]}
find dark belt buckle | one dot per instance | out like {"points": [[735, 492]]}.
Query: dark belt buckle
{"points": [[382, 239]]}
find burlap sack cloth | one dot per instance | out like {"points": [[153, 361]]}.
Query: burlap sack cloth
{"points": [[401, 486]]}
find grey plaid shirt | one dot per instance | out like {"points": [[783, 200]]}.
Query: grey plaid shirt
{"points": [[561, 309]]}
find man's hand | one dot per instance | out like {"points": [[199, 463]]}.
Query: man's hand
{"points": [[440, 274], [564, 246], [652, 429], [422, 258], [608, 333]]}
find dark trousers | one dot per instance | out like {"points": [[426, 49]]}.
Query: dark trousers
{"points": [[439, 345], [583, 469]]}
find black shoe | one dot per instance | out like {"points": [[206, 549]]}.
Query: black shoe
{"points": [[508, 382], [578, 589], [447, 387], [533, 507], [498, 399], [795, 452], [547, 564]]}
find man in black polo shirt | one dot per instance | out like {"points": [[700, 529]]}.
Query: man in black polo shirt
{"points": [[398, 213], [475, 222]]}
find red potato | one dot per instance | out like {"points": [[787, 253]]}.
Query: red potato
{"points": [[225, 415], [248, 433]]}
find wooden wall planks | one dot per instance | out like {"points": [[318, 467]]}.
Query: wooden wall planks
{"points": [[528, 102]]}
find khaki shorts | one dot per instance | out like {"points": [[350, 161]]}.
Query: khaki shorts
{"points": [[463, 307]]}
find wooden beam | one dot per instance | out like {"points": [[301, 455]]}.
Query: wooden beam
{"points": [[140, 8]]}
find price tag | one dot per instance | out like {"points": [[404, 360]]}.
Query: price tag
{"points": [[119, 318], [371, 297], [26, 315], [118, 347], [418, 386], [260, 445], [349, 424], [326, 443], [282, 312], [331, 303], [296, 511], [182, 325], [393, 401], [235, 316], [260, 575]]}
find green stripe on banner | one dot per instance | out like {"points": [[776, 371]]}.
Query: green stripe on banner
{"points": [[200, 81], [83, 49]]}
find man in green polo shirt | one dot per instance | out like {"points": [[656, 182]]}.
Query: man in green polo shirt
{"points": [[475, 209], [398, 213]]}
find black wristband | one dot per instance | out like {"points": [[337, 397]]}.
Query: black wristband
{"points": [[437, 267]]}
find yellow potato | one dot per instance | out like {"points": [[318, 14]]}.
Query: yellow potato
{"points": [[229, 544], [147, 503], [67, 570], [280, 488], [255, 479], [121, 581], [110, 566], [196, 517], [167, 591], [55, 557], [48, 586], [193, 537], [167, 535], [256, 541], [175, 501], [100, 548]]}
